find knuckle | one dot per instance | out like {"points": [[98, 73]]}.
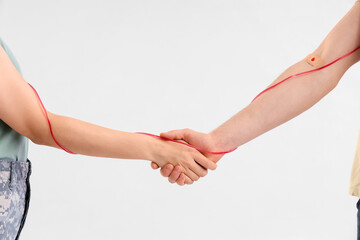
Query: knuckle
{"points": [[188, 161], [194, 153], [186, 131], [189, 150]]}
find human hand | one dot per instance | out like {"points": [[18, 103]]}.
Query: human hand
{"points": [[198, 139], [188, 162]]}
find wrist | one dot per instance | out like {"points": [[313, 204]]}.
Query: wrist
{"points": [[153, 148], [220, 143], [147, 147]]}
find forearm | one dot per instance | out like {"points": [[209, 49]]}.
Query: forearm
{"points": [[89, 139], [295, 96], [273, 108], [93, 140]]}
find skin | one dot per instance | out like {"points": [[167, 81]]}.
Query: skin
{"points": [[283, 102], [21, 110]]}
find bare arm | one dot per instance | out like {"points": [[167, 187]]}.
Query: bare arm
{"points": [[21, 110], [94, 140], [285, 101], [295, 96]]}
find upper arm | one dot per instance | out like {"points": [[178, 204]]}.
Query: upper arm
{"points": [[19, 106]]}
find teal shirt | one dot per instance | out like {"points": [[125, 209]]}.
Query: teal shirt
{"points": [[12, 144]]}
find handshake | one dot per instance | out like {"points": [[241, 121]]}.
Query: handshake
{"points": [[183, 164]]}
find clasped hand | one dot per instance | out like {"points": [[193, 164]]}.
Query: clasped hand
{"points": [[203, 161]]}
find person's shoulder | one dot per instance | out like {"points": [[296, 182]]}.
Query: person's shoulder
{"points": [[3, 45], [10, 55], [1, 42]]}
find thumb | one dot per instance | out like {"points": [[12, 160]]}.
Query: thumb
{"points": [[174, 134]]}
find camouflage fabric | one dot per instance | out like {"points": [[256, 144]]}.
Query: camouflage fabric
{"points": [[14, 197]]}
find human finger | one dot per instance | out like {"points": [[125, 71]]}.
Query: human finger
{"points": [[175, 174], [166, 170]]}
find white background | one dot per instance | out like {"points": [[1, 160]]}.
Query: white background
{"points": [[163, 64]]}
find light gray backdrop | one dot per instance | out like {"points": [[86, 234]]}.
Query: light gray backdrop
{"points": [[160, 65]]}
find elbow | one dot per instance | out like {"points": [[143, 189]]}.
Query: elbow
{"points": [[36, 136], [329, 78], [38, 140], [333, 84], [38, 132], [28, 130]]}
